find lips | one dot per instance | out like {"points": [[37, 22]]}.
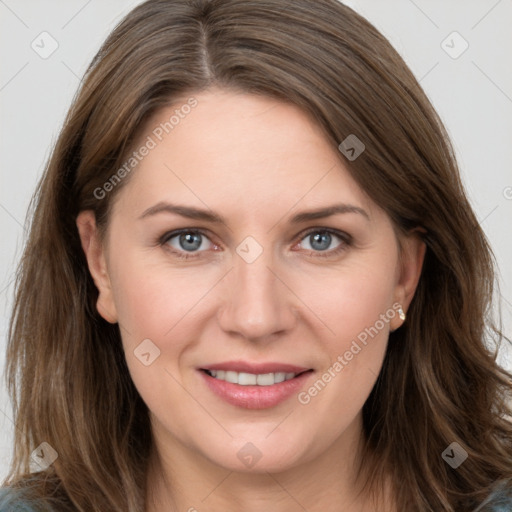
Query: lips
{"points": [[261, 385]]}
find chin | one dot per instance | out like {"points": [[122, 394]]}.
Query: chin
{"points": [[260, 455]]}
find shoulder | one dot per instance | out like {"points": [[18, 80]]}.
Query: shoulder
{"points": [[12, 500], [500, 500]]}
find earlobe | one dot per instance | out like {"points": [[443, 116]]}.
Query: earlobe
{"points": [[95, 254], [413, 249]]}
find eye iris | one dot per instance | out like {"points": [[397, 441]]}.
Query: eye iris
{"points": [[188, 238], [320, 237]]}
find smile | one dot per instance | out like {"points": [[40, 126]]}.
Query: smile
{"points": [[254, 386], [250, 379]]}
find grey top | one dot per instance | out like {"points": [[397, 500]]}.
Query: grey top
{"points": [[11, 501]]}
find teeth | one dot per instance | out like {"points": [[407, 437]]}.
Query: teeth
{"points": [[231, 377], [280, 376], [250, 379], [245, 379], [267, 379]]}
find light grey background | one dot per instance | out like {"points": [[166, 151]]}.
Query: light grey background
{"points": [[472, 93]]}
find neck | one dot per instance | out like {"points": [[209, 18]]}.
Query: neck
{"points": [[180, 479]]}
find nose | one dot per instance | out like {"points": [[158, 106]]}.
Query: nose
{"points": [[257, 302]]}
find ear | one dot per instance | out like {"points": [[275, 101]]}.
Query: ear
{"points": [[95, 254], [412, 255]]}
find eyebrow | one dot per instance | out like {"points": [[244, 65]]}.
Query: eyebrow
{"points": [[210, 216]]}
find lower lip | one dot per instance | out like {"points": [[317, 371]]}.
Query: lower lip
{"points": [[255, 397]]}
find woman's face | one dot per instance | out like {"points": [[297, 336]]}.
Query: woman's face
{"points": [[257, 287]]}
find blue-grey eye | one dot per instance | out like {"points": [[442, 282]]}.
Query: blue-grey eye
{"points": [[320, 240], [189, 241]]}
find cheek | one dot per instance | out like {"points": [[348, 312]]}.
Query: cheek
{"points": [[160, 305], [357, 308], [353, 299], [152, 299], [163, 304]]}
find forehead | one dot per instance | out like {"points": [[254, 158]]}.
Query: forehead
{"points": [[241, 150]]}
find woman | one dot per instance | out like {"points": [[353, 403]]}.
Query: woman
{"points": [[254, 281]]}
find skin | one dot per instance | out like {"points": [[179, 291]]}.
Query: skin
{"points": [[257, 162]]}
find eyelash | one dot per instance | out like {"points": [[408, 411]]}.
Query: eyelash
{"points": [[346, 241]]}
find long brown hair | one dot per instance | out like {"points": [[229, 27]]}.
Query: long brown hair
{"points": [[440, 382]]}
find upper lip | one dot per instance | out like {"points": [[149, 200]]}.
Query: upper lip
{"points": [[255, 368]]}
